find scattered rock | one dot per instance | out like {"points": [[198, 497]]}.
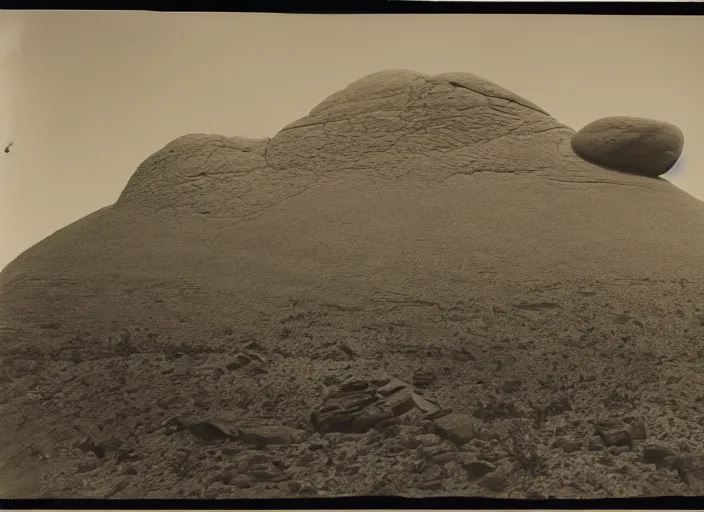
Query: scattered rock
{"points": [[618, 437], [252, 354], [348, 349], [423, 378], [116, 487], [496, 482], [107, 446], [637, 431], [273, 434], [402, 136], [167, 402], [511, 385], [251, 458], [571, 445], [596, 444], [690, 467], [209, 431], [630, 144], [392, 387], [458, 428], [426, 440], [493, 454], [129, 470], [377, 415], [401, 401], [439, 413], [175, 424], [568, 445], [431, 477], [69, 484], [88, 464], [301, 487], [495, 410], [454, 469], [223, 478], [127, 455], [558, 406], [238, 362], [241, 481], [356, 385], [265, 472], [331, 380], [657, 454], [217, 490], [478, 468], [436, 452], [86, 444], [357, 406], [617, 450], [428, 408]]}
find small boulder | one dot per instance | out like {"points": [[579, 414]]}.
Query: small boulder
{"points": [[617, 450], [615, 437], [401, 401], [689, 467], [495, 481], [656, 454], [241, 481], [558, 406], [392, 387], [637, 431], [86, 444], [630, 144], [210, 431], [478, 468], [595, 444], [238, 362], [456, 427], [107, 446], [425, 406]]}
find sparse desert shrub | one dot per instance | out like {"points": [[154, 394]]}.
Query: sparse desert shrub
{"points": [[524, 449]]}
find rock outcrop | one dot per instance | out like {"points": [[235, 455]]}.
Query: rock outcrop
{"points": [[435, 239], [630, 144]]}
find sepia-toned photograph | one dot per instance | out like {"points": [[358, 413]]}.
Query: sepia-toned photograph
{"points": [[250, 255]]}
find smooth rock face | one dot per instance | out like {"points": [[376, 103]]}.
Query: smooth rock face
{"points": [[630, 144], [442, 226]]}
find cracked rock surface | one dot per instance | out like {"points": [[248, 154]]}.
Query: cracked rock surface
{"points": [[418, 289]]}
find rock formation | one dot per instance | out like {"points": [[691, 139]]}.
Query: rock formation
{"points": [[630, 144], [230, 327]]}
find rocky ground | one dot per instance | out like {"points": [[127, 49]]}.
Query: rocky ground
{"points": [[306, 409], [418, 289]]}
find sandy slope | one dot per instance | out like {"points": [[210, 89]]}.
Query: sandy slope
{"points": [[437, 230]]}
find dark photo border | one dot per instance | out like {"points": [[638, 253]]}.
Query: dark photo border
{"points": [[349, 7]]}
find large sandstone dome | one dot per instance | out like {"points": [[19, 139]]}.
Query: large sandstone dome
{"points": [[438, 230]]}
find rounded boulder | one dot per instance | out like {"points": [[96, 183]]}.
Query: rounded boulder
{"points": [[630, 144]]}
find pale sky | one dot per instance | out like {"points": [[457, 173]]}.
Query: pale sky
{"points": [[87, 96]]}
